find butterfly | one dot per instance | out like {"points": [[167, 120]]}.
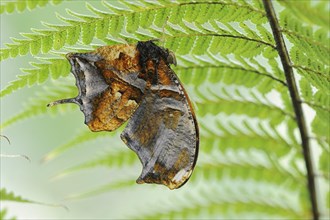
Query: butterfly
{"points": [[135, 83]]}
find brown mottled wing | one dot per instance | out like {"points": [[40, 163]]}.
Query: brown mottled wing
{"points": [[109, 91], [164, 134]]}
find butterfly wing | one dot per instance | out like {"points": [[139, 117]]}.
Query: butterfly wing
{"points": [[163, 132], [109, 90]]}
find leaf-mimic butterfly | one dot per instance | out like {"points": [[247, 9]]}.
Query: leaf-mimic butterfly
{"points": [[135, 83]]}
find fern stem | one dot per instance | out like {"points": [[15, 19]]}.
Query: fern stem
{"points": [[308, 39], [234, 68], [256, 72], [220, 35], [248, 39], [288, 71], [326, 76], [316, 105], [225, 3]]}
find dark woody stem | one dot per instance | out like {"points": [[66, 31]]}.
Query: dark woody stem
{"points": [[296, 103]]}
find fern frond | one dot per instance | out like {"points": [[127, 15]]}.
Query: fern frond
{"points": [[37, 106], [217, 64], [103, 189], [84, 136], [88, 27], [225, 201], [223, 210], [300, 11], [10, 196], [223, 125], [110, 160], [22, 5], [50, 68], [3, 214], [213, 94]]}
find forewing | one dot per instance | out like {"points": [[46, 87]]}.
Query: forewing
{"points": [[109, 91]]}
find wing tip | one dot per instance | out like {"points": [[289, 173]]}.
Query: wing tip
{"points": [[179, 179]]}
